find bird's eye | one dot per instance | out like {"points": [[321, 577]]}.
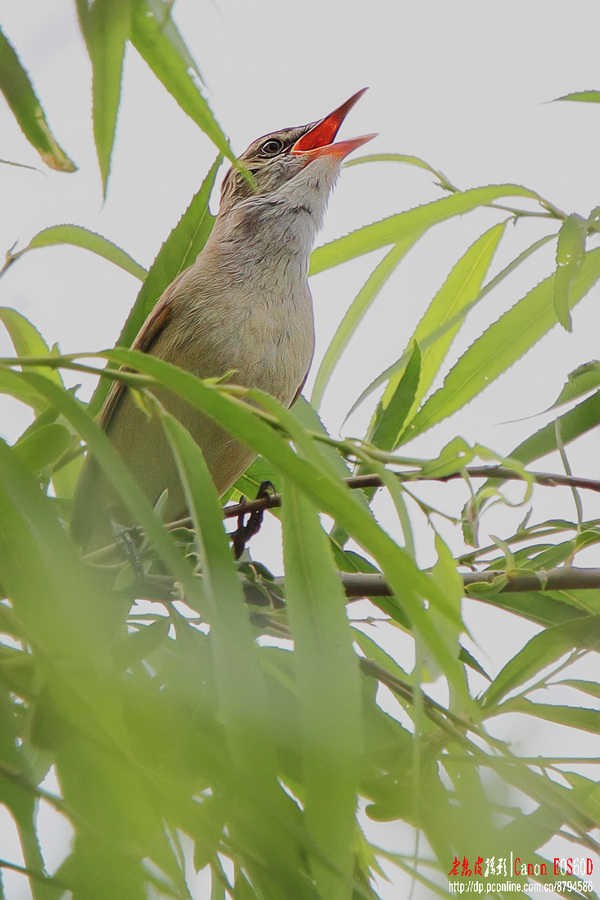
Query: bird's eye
{"points": [[271, 147]]}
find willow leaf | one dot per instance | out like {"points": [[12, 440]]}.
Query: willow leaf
{"points": [[570, 251], [78, 236], [106, 27], [398, 227], [501, 345], [330, 695], [158, 41], [458, 293], [357, 311], [20, 95]]}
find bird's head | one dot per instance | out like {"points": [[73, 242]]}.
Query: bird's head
{"points": [[290, 164]]}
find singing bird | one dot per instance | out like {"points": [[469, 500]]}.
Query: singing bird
{"points": [[244, 307]]}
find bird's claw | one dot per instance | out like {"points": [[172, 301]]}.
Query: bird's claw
{"points": [[247, 529]]}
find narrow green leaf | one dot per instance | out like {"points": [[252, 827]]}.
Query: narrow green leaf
{"points": [[20, 96], [570, 252], [426, 341], [262, 814], [78, 236], [393, 409], [400, 226], [329, 693], [106, 27], [21, 390], [26, 339], [541, 651], [43, 447], [542, 608], [406, 581], [501, 345], [588, 687], [225, 607], [41, 569], [577, 421], [163, 16], [444, 573], [453, 457], [570, 716], [580, 381], [113, 466], [177, 252], [158, 41], [458, 294], [402, 158], [308, 417], [581, 97], [358, 309]]}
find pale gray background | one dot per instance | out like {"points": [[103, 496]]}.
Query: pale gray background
{"points": [[463, 84]]}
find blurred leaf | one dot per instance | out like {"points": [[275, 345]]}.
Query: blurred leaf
{"points": [[114, 467], [21, 390], [43, 447], [329, 693], [138, 645], [570, 716], [582, 97], [158, 41], [445, 575], [263, 824], [580, 381], [402, 226], [357, 311], [27, 340], [570, 252], [106, 27], [453, 457], [588, 687], [553, 556], [541, 651], [501, 345], [78, 236], [407, 582], [20, 96]]}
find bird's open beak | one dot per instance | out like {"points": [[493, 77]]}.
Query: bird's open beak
{"points": [[319, 140]]}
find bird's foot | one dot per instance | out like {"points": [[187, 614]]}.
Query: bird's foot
{"points": [[247, 528], [127, 539]]}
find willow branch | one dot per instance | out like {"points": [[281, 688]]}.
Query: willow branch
{"points": [[357, 584], [500, 473], [164, 588]]}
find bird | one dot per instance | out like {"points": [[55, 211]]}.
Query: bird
{"points": [[243, 310]]}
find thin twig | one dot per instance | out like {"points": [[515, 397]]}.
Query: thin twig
{"points": [[358, 584], [163, 588], [502, 473]]}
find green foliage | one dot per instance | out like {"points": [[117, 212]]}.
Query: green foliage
{"points": [[199, 712], [20, 95]]}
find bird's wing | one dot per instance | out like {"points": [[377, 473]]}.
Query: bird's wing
{"points": [[145, 338]]}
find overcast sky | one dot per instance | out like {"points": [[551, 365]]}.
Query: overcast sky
{"points": [[464, 85]]}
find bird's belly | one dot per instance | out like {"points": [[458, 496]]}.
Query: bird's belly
{"points": [[271, 353], [267, 344]]}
